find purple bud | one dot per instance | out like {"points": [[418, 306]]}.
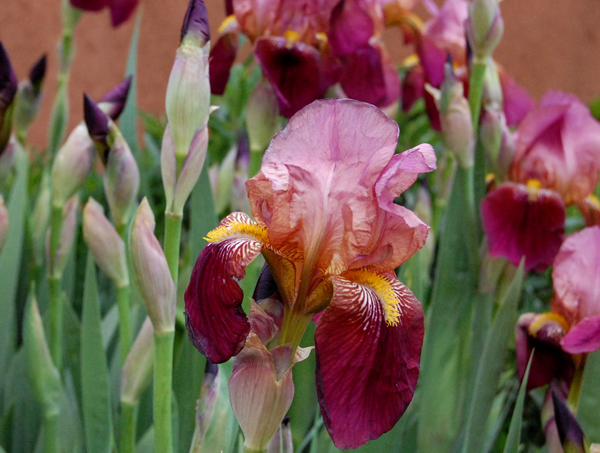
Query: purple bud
{"points": [[571, 435], [195, 22], [37, 73], [8, 83], [97, 124], [3, 222], [113, 102]]}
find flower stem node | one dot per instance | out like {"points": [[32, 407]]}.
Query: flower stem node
{"points": [[151, 271]]}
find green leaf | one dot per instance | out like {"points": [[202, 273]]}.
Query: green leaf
{"points": [[589, 397], [128, 120], [94, 373], [444, 361], [10, 259], [203, 217], [59, 118], [514, 432], [491, 365]]}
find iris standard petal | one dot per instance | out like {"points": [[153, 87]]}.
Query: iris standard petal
{"points": [[367, 370], [213, 292]]}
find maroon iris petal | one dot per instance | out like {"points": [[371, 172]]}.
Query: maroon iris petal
{"points": [[121, 10], [350, 28], [366, 371], [216, 322], [293, 69], [369, 78], [517, 226], [412, 87], [90, 5], [222, 57]]}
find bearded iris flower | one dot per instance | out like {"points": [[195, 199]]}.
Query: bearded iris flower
{"points": [[331, 234]]}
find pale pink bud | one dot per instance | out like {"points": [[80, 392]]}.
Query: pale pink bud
{"points": [[484, 27], [261, 389], [67, 238], [136, 374], [151, 271], [282, 441], [261, 116], [3, 222], [105, 243], [179, 186], [188, 91]]}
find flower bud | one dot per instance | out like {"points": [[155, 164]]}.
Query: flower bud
{"points": [[492, 95], [121, 176], [3, 223], [136, 374], [30, 96], [113, 102], [40, 219], [261, 116], [44, 377], [261, 389], [151, 271], [105, 243], [570, 433], [67, 238], [484, 27], [282, 442], [188, 91], [179, 186], [8, 90]]}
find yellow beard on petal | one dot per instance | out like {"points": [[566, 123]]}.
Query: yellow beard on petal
{"points": [[238, 229], [548, 317], [382, 288]]}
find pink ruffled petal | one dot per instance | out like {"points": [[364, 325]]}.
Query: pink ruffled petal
{"points": [[315, 192], [293, 69], [576, 275], [517, 227], [366, 370], [517, 102], [583, 337], [216, 323]]}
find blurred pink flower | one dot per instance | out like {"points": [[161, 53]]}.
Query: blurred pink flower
{"points": [[556, 163], [120, 10], [329, 229]]}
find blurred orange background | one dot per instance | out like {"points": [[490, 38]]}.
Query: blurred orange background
{"points": [[546, 45]]}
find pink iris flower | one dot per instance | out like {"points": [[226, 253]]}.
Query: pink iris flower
{"points": [[120, 10], [573, 325], [444, 34], [290, 45], [556, 163], [326, 223]]}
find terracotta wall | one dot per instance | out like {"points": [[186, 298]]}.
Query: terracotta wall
{"points": [[547, 45]]}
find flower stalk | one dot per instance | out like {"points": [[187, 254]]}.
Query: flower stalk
{"points": [[55, 283], [163, 377]]}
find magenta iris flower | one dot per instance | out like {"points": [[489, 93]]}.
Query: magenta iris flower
{"points": [[556, 163], [120, 10], [327, 225]]}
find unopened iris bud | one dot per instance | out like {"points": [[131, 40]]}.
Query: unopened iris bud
{"points": [[67, 238], [188, 92], [43, 375], [121, 176], [484, 27], [282, 442], [105, 243], [74, 159], [40, 219], [30, 96], [3, 222], [261, 389], [571, 435], [261, 116], [136, 374], [151, 271], [8, 90], [179, 185], [455, 118]]}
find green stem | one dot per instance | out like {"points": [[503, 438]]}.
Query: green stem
{"points": [[293, 328], [163, 375], [128, 426], [172, 240], [467, 187], [123, 293], [255, 162], [250, 450], [573, 398], [475, 90], [51, 434], [55, 283]]}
